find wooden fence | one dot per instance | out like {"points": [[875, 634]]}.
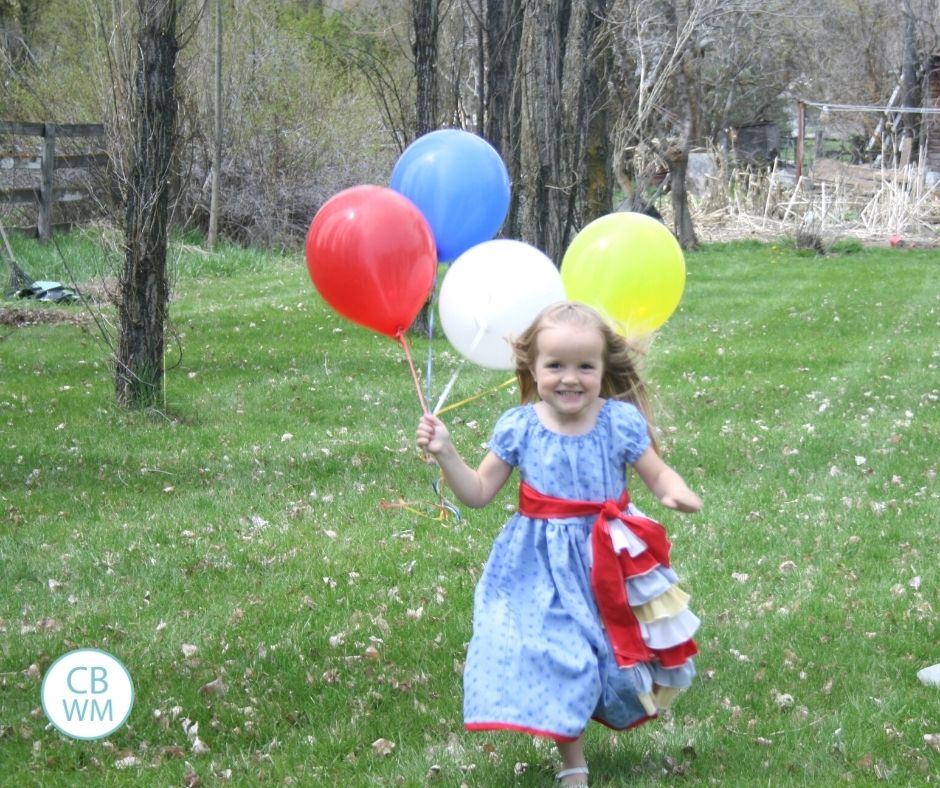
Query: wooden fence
{"points": [[42, 165]]}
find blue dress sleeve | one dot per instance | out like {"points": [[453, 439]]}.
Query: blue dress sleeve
{"points": [[630, 431], [509, 435]]}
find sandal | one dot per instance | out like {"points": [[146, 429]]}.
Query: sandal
{"points": [[571, 773]]}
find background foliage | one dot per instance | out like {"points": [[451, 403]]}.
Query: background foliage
{"points": [[318, 97]]}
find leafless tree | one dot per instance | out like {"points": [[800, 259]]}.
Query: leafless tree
{"points": [[544, 102], [500, 99], [426, 15], [665, 75], [686, 70], [143, 286], [858, 53], [658, 59], [213, 233]]}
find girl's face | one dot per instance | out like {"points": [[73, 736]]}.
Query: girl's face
{"points": [[568, 371]]}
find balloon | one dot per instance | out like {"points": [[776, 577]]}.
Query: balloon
{"points": [[460, 184], [490, 295], [630, 267], [371, 255]]}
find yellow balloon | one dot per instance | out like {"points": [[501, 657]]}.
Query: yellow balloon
{"points": [[629, 267]]}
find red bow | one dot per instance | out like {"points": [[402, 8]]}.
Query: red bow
{"points": [[611, 569]]}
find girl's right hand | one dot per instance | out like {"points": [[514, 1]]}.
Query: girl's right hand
{"points": [[432, 436], [473, 487]]}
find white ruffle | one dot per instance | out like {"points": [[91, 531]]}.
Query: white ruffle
{"points": [[624, 540]]}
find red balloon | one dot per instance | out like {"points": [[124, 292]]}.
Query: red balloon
{"points": [[371, 255]]}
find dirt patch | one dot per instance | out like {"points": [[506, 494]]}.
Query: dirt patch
{"points": [[100, 294], [22, 316]]}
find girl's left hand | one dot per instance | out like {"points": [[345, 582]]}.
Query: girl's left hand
{"points": [[665, 483], [684, 501]]}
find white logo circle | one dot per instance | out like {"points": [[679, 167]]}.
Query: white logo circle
{"points": [[87, 694]]}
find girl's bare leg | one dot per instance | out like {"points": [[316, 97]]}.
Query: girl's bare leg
{"points": [[572, 755]]}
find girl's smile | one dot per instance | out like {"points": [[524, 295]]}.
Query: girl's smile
{"points": [[568, 371]]}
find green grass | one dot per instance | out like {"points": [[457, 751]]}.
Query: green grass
{"points": [[798, 394]]}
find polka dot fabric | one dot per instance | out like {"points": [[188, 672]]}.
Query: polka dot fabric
{"points": [[539, 660]]}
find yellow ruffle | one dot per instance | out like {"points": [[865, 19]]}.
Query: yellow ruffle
{"points": [[666, 605]]}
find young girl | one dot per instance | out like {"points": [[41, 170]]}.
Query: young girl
{"points": [[576, 615]]}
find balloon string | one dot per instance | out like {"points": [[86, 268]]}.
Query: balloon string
{"points": [[439, 410], [427, 378], [481, 332], [446, 391], [400, 336]]}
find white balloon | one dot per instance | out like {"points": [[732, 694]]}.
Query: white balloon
{"points": [[490, 295]]}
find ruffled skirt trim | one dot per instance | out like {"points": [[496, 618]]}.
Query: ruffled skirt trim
{"points": [[662, 611], [667, 605]]}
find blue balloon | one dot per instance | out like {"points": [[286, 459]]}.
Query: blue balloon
{"points": [[460, 185]]}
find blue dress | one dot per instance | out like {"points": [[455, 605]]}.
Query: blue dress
{"points": [[539, 660]]}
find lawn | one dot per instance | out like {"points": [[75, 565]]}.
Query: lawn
{"points": [[264, 555]]}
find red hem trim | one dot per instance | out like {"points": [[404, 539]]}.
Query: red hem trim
{"points": [[506, 726], [478, 727]]}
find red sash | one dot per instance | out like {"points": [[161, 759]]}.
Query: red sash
{"points": [[611, 569]]}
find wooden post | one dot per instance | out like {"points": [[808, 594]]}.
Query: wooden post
{"points": [[42, 192], [47, 169], [800, 132]]}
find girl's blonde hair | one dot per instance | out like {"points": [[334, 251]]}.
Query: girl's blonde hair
{"points": [[621, 379]]}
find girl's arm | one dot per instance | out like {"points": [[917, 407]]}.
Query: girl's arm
{"points": [[475, 488], [665, 483]]}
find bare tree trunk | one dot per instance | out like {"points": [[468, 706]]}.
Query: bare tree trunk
{"points": [[598, 184], [479, 13], [687, 113], [678, 158], [543, 200], [426, 24], [143, 286], [502, 106], [683, 226], [560, 131], [910, 84], [585, 94], [217, 142]]}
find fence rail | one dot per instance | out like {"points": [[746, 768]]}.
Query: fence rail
{"points": [[45, 195]]}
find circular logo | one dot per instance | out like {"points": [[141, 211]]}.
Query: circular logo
{"points": [[87, 694]]}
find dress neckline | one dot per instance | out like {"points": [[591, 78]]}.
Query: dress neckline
{"points": [[586, 433]]}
